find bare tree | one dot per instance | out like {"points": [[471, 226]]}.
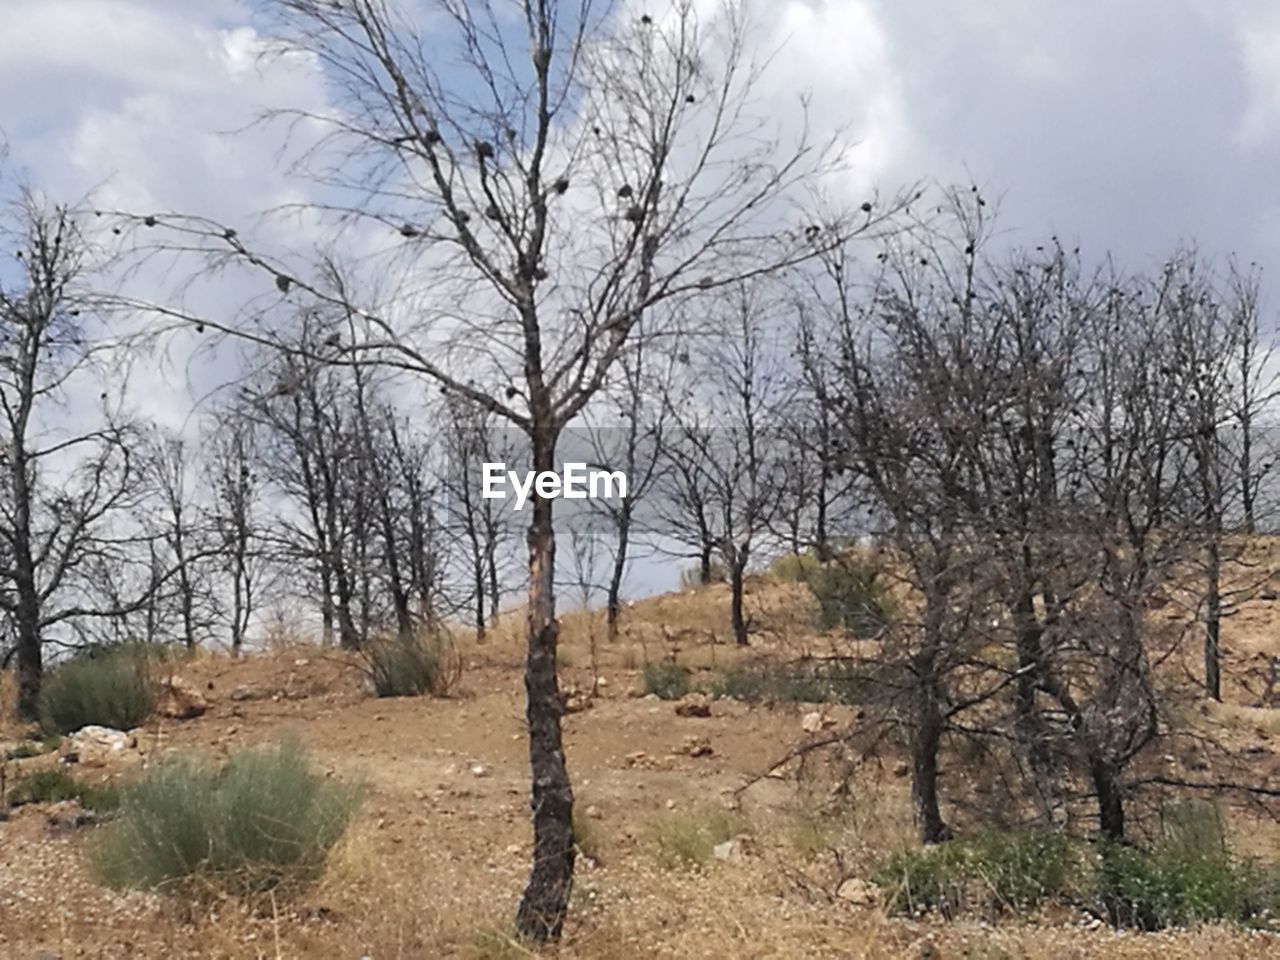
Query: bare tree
{"points": [[65, 479], [174, 516], [556, 186], [236, 513]]}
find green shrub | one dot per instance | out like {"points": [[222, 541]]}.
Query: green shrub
{"points": [[794, 567], [689, 839], [411, 666], [103, 686], [1178, 883], [668, 680], [32, 748], [990, 873], [1152, 890], [691, 576], [803, 681], [55, 786], [851, 595], [262, 822]]}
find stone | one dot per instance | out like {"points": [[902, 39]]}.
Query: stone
{"points": [[593, 812], [693, 708], [859, 892], [901, 769], [726, 851], [242, 693], [69, 815], [695, 746], [811, 722], [180, 700], [479, 770], [95, 745]]}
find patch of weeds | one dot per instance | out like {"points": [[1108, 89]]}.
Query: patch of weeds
{"points": [[496, 943], [103, 686], [851, 595], [990, 873], [32, 748], [263, 822], [794, 567], [55, 786], [689, 839], [810, 834], [667, 680], [412, 666], [691, 577], [588, 835], [804, 681], [1166, 887]]}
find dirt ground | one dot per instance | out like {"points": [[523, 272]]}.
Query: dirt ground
{"points": [[435, 862]]}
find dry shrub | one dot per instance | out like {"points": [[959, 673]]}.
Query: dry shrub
{"points": [[263, 822]]}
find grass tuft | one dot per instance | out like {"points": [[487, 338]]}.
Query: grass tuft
{"points": [[667, 680], [412, 666], [265, 821], [102, 686]]}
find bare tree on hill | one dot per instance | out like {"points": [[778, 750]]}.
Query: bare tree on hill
{"points": [[577, 166]]}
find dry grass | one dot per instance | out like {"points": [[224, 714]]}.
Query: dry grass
{"points": [[435, 861]]}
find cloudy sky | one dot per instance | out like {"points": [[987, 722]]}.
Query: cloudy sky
{"points": [[1129, 126]]}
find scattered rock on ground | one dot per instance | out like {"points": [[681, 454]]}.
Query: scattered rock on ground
{"points": [[693, 707], [180, 700], [696, 746], [96, 745], [69, 815], [858, 892]]}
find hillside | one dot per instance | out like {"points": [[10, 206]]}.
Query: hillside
{"points": [[439, 852]]}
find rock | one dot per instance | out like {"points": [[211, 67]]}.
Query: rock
{"points": [[69, 815], [811, 722], [479, 770], [726, 851], [93, 744], [180, 700], [302, 662], [695, 746], [593, 812], [901, 769], [859, 892], [693, 708], [1268, 594], [242, 693], [575, 700]]}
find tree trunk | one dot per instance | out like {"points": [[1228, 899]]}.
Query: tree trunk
{"points": [[1213, 620], [30, 651], [704, 563], [541, 914], [613, 601], [926, 732], [1028, 725], [736, 615], [1106, 783]]}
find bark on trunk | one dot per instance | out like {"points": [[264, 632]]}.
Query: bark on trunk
{"points": [[541, 914], [1213, 621], [613, 602], [926, 732], [1106, 783], [736, 614]]}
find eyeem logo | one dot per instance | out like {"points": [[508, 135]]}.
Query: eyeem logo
{"points": [[576, 483]]}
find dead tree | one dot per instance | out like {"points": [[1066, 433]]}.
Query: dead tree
{"points": [[63, 482], [556, 194]]}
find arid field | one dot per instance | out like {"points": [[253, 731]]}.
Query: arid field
{"points": [[437, 854]]}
